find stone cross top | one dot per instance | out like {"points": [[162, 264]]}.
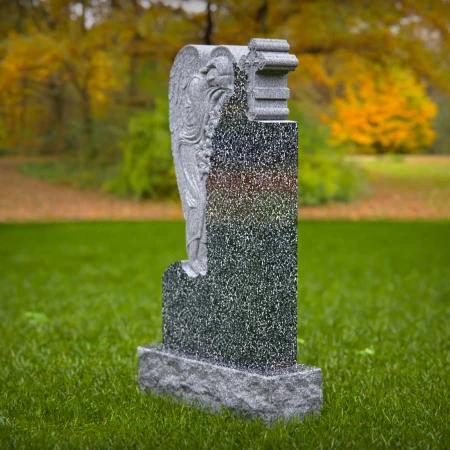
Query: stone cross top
{"points": [[267, 66], [230, 309]]}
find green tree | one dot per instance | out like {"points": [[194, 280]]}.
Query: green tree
{"points": [[147, 169]]}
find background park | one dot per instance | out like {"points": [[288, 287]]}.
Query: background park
{"points": [[90, 218]]}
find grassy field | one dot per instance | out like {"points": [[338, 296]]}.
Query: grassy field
{"points": [[77, 299], [408, 170], [70, 174], [398, 187]]}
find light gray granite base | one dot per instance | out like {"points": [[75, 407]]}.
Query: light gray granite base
{"points": [[286, 395]]}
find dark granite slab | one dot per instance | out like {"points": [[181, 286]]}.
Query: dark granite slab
{"points": [[243, 312]]}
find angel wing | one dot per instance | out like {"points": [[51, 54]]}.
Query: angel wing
{"points": [[186, 64]]}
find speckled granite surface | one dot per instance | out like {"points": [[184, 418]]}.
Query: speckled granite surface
{"points": [[244, 310], [230, 309]]}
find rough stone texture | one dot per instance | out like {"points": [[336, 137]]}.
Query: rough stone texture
{"points": [[292, 394]]}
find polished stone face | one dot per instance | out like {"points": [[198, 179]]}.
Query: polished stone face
{"points": [[243, 312]]}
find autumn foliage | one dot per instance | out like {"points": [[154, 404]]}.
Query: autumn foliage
{"points": [[387, 114], [73, 74]]}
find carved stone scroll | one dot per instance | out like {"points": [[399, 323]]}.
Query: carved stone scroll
{"points": [[267, 65]]}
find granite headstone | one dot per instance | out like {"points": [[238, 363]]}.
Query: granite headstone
{"points": [[230, 309]]}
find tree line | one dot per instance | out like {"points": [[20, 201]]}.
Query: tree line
{"points": [[73, 74]]}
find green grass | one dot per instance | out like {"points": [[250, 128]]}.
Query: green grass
{"points": [[70, 174], [77, 299], [409, 171]]}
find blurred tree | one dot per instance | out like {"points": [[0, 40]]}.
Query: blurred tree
{"points": [[341, 42], [28, 78], [412, 33], [56, 52], [143, 36], [74, 73], [388, 114], [442, 143], [147, 169]]}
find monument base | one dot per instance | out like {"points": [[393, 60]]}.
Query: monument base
{"points": [[285, 395]]}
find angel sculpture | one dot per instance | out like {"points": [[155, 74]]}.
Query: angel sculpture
{"points": [[195, 102]]}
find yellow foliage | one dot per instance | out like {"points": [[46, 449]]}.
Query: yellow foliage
{"points": [[31, 57], [63, 61], [387, 112], [35, 64]]}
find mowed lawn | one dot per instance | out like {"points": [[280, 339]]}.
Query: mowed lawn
{"points": [[425, 177], [397, 187], [77, 299]]}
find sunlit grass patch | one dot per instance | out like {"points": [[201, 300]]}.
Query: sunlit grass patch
{"points": [[434, 170]]}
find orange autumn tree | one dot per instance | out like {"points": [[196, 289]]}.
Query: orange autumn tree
{"points": [[342, 42], [25, 72], [36, 74], [57, 74], [386, 113]]}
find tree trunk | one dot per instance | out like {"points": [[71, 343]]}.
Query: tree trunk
{"points": [[209, 25], [87, 148], [133, 64], [59, 114], [132, 75], [261, 18], [22, 141]]}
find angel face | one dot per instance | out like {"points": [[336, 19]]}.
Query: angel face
{"points": [[212, 77], [219, 72]]}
